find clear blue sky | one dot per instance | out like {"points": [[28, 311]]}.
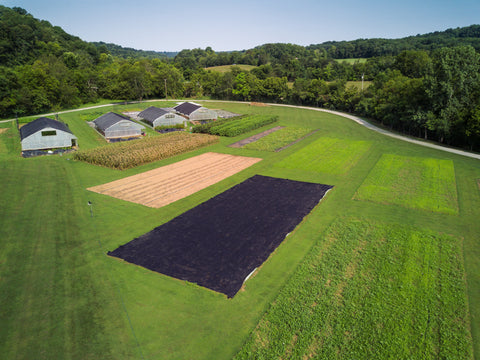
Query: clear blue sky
{"points": [[237, 25]]}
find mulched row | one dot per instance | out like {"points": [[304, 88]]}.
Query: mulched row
{"points": [[221, 241]]}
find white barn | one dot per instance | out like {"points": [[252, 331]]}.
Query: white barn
{"points": [[113, 125], [161, 116], [44, 133]]}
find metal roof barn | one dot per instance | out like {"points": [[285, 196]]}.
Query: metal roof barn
{"points": [[113, 125], [161, 116], [44, 133]]}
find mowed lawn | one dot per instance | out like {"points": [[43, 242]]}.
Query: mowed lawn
{"points": [[376, 272]]}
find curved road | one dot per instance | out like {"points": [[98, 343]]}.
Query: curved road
{"points": [[348, 116]]}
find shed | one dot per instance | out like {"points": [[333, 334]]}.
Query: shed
{"points": [[161, 116], [44, 133], [113, 125], [196, 113]]}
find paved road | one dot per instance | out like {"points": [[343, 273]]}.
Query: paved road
{"points": [[348, 116]]}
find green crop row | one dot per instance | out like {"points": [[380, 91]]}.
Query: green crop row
{"points": [[370, 291], [237, 126]]}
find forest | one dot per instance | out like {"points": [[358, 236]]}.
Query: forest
{"points": [[426, 86]]}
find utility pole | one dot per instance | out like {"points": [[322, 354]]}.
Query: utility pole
{"points": [[362, 81], [166, 97]]}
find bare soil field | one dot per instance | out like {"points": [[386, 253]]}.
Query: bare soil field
{"points": [[162, 186]]}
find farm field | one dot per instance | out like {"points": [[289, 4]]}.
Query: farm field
{"points": [[278, 139], [419, 183], [166, 184], [218, 243], [327, 155], [124, 155], [62, 296], [367, 291], [227, 68]]}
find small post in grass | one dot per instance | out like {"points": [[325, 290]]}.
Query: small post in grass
{"points": [[90, 206]]}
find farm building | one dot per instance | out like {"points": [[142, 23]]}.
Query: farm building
{"points": [[44, 133], [196, 113], [113, 125], [161, 116]]}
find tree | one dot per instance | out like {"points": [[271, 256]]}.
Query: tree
{"points": [[452, 87]]}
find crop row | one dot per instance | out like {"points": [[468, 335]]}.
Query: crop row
{"points": [[370, 291], [237, 126], [126, 155]]}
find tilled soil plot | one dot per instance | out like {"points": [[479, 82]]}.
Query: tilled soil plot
{"points": [[220, 242], [162, 186]]}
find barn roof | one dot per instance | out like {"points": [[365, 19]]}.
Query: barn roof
{"points": [[105, 121], [152, 113], [187, 108], [42, 123]]}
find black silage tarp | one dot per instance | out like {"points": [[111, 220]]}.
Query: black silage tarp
{"points": [[221, 241]]}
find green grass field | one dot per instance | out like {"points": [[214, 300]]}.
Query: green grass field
{"points": [[418, 183], [227, 68], [367, 290], [352, 60], [62, 297], [328, 155], [278, 139]]}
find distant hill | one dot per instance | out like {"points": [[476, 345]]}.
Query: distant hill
{"points": [[126, 52], [367, 48], [24, 38]]}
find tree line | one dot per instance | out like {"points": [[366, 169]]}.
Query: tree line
{"points": [[430, 92]]}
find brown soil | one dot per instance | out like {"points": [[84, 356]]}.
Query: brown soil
{"points": [[255, 137], [257, 104], [3, 130], [162, 186]]}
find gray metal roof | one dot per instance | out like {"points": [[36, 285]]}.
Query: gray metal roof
{"points": [[105, 121], [42, 123], [152, 113], [186, 108]]}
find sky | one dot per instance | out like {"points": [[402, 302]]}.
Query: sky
{"points": [[227, 25]]}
